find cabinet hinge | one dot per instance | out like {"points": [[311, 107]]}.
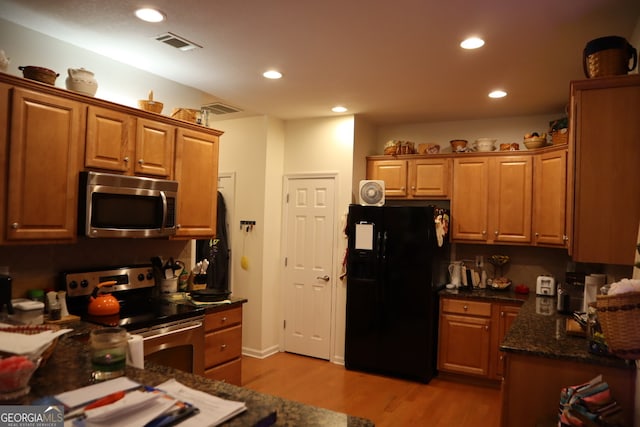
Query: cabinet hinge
{"points": [[284, 324], [287, 197]]}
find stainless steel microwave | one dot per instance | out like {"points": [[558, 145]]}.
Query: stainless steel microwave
{"points": [[126, 206]]}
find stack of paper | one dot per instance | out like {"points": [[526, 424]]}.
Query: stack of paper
{"points": [[213, 410], [142, 406]]}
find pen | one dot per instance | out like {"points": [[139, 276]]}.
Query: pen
{"points": [[173, 417], [107, 400]]}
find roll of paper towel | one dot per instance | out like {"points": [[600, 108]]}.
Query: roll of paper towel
{"points": [[135, 353], [592, 283]]}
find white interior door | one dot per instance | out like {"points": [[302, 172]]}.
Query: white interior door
{"points": [[309, 276]]}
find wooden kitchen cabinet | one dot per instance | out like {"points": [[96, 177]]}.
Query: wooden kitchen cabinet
{"points": [[46, 134], [464, 337], [550, 198], [470, 334], [110, 138], [503, 316], [223, 345], [119, 142], [604, 154], [492, 199], [420, 178], [197, 173], [154, 148]]}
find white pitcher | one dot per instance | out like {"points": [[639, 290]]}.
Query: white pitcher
{"points": [[455, 271], [81, 80]]}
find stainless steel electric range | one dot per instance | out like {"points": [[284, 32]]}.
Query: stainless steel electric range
{"points": [[173, 332]]}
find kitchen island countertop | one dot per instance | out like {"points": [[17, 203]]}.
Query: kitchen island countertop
{"points": [[69, 368]]}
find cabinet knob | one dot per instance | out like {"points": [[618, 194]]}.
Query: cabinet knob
{"points": [[537, 235], [15, 225], [465, 307], [484, 232], [502, 314], [223, 346], [501, 357], [402, 188], [224, 319], [126, 159], [486, 327], [496, 232], [565, 237], [413, 187], [141, 161]]}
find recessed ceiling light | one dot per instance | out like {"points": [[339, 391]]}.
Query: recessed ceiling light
{"points": [[497, 94], [150, 15], [472, 43], [272, 74], [339, 109]]}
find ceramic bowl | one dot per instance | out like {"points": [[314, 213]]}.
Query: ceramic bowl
{"points": [[485, 144], [40, 74]]}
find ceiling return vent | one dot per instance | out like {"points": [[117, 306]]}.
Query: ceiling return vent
{"points": [[177, 42], [219, 108]]}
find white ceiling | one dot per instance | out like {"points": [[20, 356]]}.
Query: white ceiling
{"points": [[391, 61]]}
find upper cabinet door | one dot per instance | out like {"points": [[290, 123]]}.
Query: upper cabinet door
{"points": [[430, 178], [155, 145], [197, 173], [393, 173], [606, 138], [470, 199], [45, 138], [110, 139], [550, 194], [510, 199]]}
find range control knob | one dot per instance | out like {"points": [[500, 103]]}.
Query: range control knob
{"points": [[140, 277], [150, 275], [84, 283], [73, 284]]}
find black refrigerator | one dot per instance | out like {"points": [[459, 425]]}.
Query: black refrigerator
{"points": [[392, 301]]}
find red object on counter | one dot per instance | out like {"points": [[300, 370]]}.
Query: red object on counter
{"points": [[521, 289]]}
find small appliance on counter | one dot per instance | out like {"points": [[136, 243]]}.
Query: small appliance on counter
{"points": [[5, 293], [546, 285]]}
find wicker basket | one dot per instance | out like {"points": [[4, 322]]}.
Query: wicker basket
{"points": [[560, 136], [608, 62], [619, 316], [36, 329], [186, 114]]}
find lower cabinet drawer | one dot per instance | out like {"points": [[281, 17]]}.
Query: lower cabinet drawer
{"points": [[222, 346], [464, 306], [230, 372], [223, 319]]}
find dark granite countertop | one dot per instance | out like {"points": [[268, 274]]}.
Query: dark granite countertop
{"points": [[539, 330], [69, 368]]}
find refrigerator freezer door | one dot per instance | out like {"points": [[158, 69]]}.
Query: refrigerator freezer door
{"points": [[391, 305]]}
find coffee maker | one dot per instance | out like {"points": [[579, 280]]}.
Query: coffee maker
{"points": [[5, 293]]}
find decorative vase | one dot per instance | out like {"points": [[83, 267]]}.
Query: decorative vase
{"points": [[4, 61], [81, 80]]}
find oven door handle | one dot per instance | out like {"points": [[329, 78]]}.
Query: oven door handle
{"points": [[155, 333]]}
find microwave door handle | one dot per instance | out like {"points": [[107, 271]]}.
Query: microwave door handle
{"points": [[163, 196]]}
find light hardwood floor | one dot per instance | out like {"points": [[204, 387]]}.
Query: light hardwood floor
{"points": [[386, 401]]}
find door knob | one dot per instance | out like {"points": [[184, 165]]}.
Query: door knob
{"points": [[325, 278]]}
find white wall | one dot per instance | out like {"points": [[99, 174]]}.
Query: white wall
{"points": [[117, 82], [506, 130]]}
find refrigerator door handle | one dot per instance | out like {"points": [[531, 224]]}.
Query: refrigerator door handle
{"points": [[379, 245], [384, 246]]}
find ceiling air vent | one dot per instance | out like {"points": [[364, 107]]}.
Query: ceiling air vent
{"points": [[220, 108], [177, 42]]}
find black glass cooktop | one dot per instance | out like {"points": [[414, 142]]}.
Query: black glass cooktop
{"points": [[144, 314]]}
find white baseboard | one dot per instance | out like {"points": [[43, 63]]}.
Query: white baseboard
{"points": [[260, 354]]}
